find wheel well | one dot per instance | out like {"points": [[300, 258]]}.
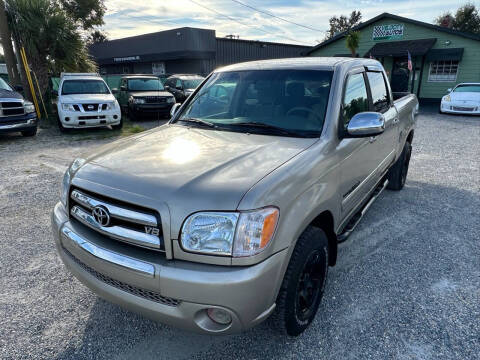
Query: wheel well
{"points": [[410, 137], [325, 222]]}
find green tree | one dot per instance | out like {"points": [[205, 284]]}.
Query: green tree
{"points": [[466, 19], [353, 41], [52, 39], [343, 23], [96, 36], [86, 13]]}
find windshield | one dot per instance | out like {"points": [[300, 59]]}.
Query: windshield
{"points": [[467, 88], [4, 85], [262, 101], [71, 87], [145, 85], [192, 83]]}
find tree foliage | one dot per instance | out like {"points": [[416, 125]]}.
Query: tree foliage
{"points": [[353, 41], [466, 19], [343, 23], [86, 13], [96, 36], [51, 38]]}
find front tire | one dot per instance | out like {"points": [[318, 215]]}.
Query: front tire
{"points": [[30, 132], [303, 284], [118, 126], [397, 175]]}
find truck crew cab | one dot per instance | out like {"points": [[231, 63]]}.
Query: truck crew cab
{"points": [[16, 113], [232, 212]]}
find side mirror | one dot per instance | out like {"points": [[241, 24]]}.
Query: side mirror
{"points": [[449, 89], [123, 88], [114, 91], [174, 109], [179, 87], [366, 124], [18, 88]]}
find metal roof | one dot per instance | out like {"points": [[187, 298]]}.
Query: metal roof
{"points": [[303, 63]]}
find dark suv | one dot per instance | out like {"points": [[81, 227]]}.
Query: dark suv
{"points": [[142, 95], [181, 86]]}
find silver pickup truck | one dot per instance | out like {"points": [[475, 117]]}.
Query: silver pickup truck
{"points": [[233, 210]]}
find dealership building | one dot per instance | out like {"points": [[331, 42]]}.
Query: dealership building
{"points": [[440, 57], [183, 50]]}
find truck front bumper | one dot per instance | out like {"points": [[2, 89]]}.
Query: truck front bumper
{"points": [[18, 123], [78, 120], [173, 292]]}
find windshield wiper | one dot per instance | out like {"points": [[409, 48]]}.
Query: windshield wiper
{"points": [[199, 121], [276, 129]]}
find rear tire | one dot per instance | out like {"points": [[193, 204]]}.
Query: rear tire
{"points": [[132, 115], [29, 133], [303, 284], [397, 175]]}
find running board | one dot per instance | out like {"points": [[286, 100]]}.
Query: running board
{"points": [[355, 220]]}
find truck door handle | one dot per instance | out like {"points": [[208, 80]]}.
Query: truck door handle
{"points": [[372, 139], [396, 120]]}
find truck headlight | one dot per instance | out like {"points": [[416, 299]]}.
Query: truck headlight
{"points": [[68, 107], [67, 177], [29, 107], [234, 234], [447, 98], [138, 101], [171, 100]]}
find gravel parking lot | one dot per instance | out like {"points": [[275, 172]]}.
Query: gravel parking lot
{"points": [[406, 286]]}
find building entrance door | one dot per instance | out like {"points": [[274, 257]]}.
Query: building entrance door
{"points": [[400, 74]]}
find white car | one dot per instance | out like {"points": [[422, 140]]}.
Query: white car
{"points": [[85, 101], [462, 99]]}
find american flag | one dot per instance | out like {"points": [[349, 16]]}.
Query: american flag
{"points": [[410, 66]]}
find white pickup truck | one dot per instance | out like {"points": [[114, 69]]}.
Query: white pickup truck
{"points": [[85, 101]]}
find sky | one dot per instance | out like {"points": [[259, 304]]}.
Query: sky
{"points": [[127, 18]]}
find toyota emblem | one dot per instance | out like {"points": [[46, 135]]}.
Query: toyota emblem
{"points": [[101, 215], [90, 107]]}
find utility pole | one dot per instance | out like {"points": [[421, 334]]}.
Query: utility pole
{"points": [[6, 38]]}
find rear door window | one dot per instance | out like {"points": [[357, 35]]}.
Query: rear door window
{"points": [[379, 91], [355, 99]]}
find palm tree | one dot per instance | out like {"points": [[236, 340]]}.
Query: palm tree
{"points": [[51, 38], [353, 40]]}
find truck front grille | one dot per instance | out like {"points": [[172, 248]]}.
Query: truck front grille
{"points": [[117, 220], [155, 99], [11, 108], [146, 294]]}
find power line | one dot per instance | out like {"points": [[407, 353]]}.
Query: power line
{"points": [[277, 17], [241, 23]]}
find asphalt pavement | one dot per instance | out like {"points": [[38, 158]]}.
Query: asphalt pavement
{"points": [[406, 285]]}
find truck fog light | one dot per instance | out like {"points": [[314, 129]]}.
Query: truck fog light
{"points": [[219, 316], [67, 119], [115, 117]]}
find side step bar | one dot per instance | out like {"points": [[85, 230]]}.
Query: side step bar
{"points": [[354, 221]]}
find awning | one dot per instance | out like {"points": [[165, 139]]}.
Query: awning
{"points": [[445, 54], [401, 48]]}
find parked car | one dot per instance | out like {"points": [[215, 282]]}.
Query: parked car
{"points": [[182, 86], [16, 113], [462, 99], [229, 214], [85, 101], [144, 95]]}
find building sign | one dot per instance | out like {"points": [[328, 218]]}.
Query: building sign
{"points": [[158, 68], [387, 32], [126, 58]]}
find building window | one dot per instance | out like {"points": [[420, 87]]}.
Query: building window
{"points": [[443, 71]]}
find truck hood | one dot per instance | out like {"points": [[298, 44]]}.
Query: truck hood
{"points": [[465, 96], [87, 98], [190, 169], [7, 94]]}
